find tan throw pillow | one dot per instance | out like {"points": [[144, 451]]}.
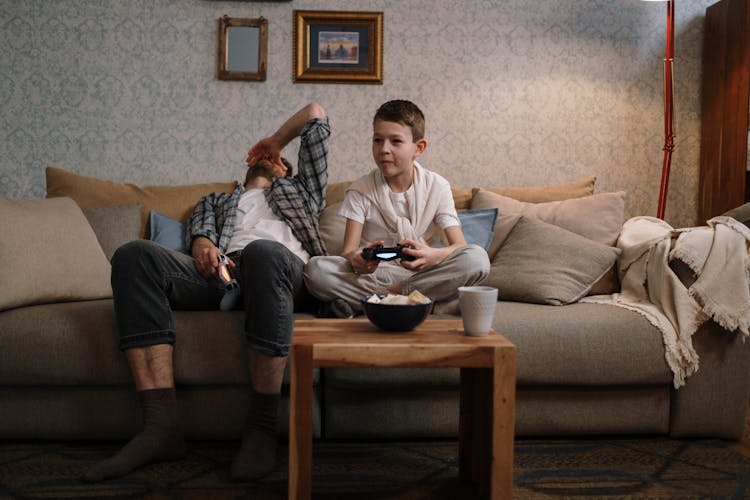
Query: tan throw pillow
{"points": [[114, 226], [49, 253], [176, 202], [544, 264], [597, 217], [462, 197]]}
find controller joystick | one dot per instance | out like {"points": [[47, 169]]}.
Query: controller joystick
{"points": [[387, 253], [230, 285]]}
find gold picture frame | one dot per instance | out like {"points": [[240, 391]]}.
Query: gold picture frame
{"points": [[338, 47], [243, 48]]}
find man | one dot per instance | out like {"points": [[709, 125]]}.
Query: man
{"points": [[268, 229]]}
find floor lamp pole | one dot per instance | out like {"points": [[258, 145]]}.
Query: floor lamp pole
{"points": [[668, 111]]}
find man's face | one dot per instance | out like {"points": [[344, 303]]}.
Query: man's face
{"points": [[267, 168], [275, 168]]}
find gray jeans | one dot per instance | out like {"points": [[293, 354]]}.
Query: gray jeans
{"points": [[332, 277], [149, 280]]}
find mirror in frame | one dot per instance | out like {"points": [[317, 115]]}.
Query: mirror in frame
{"points": [[243, 48]]}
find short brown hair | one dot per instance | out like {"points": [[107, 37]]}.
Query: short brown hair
{"points": [[405, 112]]}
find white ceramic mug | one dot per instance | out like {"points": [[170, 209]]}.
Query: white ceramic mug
{"points": [[477, 305]]}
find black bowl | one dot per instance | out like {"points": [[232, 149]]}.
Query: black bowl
{"points": [[395, 317]]}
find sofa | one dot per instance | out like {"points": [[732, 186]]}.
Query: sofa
{"points": [[582, 368]]}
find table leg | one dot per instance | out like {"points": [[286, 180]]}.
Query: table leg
{"points": [[503, 422], [300, 422], [486, 426], [475, 427]]}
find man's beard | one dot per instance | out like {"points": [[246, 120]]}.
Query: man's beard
{"points": [[257, 171]]}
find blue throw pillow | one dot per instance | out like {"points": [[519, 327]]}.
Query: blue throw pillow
{"points": [[478, 225], [167, 232]]}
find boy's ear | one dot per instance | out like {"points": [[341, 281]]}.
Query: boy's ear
{"points": [[421, 146]]}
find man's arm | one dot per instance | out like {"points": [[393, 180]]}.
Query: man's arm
{"points": [[271, 146], [202, 233]]}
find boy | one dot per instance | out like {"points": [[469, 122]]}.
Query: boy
{"points": [[399, 203]]}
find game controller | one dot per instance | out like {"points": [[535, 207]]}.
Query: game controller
{"points": [[387, 253], [230, 285]]}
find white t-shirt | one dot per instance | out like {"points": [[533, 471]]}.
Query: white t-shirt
{"points": [[360, 209], [256, 221]]}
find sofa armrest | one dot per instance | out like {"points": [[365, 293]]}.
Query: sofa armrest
{"points": [[714, 401], [741, 213]]}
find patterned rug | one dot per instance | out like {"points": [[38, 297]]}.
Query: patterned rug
{"points": [[550, 468]]}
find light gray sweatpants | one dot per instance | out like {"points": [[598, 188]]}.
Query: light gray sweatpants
{"points": [[332, 277]]}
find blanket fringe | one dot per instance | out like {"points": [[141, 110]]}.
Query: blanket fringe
{"points": [[681, 358], [725, 319]]}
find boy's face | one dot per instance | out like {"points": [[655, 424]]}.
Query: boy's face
{"points": [[394, 149]]}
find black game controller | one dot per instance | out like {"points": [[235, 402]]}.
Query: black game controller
{"points": [[387, 253], [230, 285]]}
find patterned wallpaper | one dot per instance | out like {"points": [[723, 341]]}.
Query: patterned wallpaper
{"points": [[516, 92]]}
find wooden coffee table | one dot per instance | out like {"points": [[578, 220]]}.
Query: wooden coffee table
{"points": [[488, 389]]}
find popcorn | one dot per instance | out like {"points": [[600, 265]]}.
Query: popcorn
{"points": [[414, 297]]}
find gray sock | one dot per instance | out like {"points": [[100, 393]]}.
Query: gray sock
{"points": [[257, 455], [160, 439]]}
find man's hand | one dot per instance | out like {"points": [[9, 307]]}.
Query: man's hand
{"points": [[266, 149], [270, 147], [206, 258]]}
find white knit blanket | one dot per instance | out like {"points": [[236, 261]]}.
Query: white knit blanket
{"points": [[718, 255], [423, 202]]}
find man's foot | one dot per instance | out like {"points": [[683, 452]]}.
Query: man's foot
{"points": [[146, 447], [257, 456], [160, 439], [337, 308]]}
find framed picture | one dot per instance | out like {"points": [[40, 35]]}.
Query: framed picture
{"points": [[338, 47], [243, 48]]}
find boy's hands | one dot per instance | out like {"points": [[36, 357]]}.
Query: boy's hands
{"points": [[424, 256], [358, 262]]}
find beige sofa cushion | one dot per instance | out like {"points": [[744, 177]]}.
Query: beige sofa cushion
{"points": [[598, 217], [49, 253], [463, 197], [114, 226], [176, 202], [540, 263]]}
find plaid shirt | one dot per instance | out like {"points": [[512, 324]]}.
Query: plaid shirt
{"points": [[297, 201]]}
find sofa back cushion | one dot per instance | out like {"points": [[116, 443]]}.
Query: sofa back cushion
{"points": [[115, 226], [176, 202], [49, 253], [741, 213], [462, 197], [597, 217]]}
